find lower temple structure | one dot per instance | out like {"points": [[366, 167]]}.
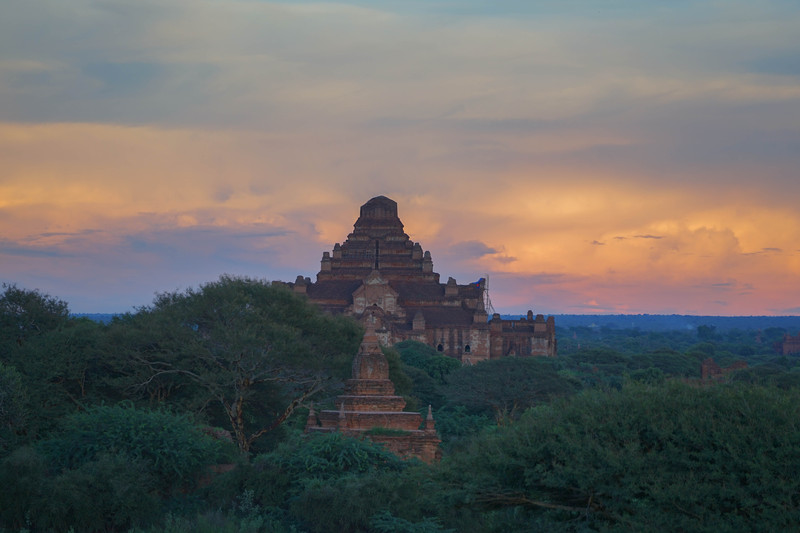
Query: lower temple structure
{"points": [[379, 272], [369, 408], [790, 345]]}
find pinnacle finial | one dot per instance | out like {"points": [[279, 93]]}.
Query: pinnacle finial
{"points": [[311, 421], [430, 425]]}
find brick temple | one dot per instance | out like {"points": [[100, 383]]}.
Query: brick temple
{"points": [[790, 345], [379, 272], [370, 408]]}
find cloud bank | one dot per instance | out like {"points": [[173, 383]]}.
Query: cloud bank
{"points": [[630, 157]]}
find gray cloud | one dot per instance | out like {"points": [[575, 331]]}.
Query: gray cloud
{"points": [[768, 250], [17, 249], [121, 78], [69, 233], [542, 278], [783, 63], [223, 193], [471, 249]]}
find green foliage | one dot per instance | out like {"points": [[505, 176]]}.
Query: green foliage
{"points": [[24, 487], [332, 471], [425, 390], [169, 447], [427, 370], [108, 468], [422, 356], [13, 407], [707, 333], [506, 387], [246, 352], [640, 452], [238, 519], [705, 348], [666, 458], [669, 363], [27, 313], [360, 503], [402, 383], [377, 430], [777, 372], [112, 491], [606, 368], [385, 522], [628, 342], [56, 356], [650, 376], [332, 455], [456, 425]]}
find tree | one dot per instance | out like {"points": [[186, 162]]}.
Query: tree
{"points": [[56, 355], [239, 343], [647, 458], [424, 357], [706, 332], [26, 313], [507, 386], [13, 406], [108, 468], [172, 448]]}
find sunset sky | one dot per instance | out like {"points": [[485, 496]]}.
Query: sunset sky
{"points": [[594, 156]]}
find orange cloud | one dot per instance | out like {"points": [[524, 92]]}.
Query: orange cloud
{"points": [[608, 241]]}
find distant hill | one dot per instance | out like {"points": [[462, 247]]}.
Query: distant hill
{"points": [[675, 322], [103, 318], [642, 322]]}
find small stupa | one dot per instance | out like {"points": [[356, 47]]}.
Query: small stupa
{"points": [[370, 408]]}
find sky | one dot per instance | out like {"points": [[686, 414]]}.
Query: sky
{"points": [[603, 156]]}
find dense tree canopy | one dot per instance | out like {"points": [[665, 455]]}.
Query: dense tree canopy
{"points": [[26, 313], [427, 359], [104, 427], [106, 469], [506, 387], [57, 357], [665, 458], [238, 343], [13, 406]]}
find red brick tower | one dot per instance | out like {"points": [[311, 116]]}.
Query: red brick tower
{"points": [[369, 408]]}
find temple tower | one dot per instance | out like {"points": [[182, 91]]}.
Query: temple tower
{"points": [[370, 408]]}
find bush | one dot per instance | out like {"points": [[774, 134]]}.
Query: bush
{"points": [[24, 487], [168, 446], [111, 492]]}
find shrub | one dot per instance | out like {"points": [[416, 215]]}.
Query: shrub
{"points": [[168, 446]]}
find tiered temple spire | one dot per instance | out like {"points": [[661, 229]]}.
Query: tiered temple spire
{"points": [[370, 408]]}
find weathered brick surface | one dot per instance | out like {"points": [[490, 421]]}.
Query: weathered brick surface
{"points": [[369, 408], [711, 371], [790, 344], [379, 274]]}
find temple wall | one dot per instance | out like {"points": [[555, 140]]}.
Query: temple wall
{"points": [[378, 254]]}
